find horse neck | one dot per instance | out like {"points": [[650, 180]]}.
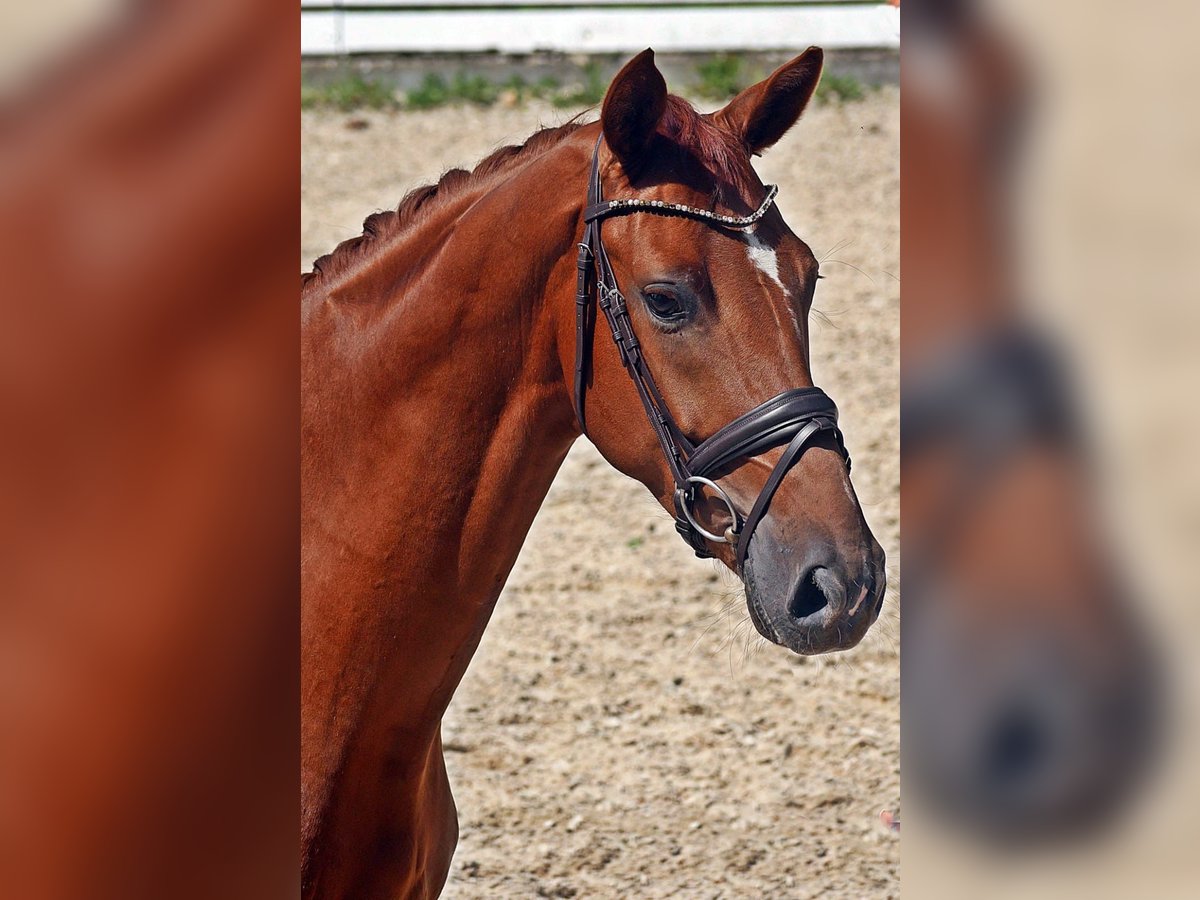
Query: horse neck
{"points": [[436, 419]]}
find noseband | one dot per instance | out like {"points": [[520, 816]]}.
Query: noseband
{"points": [[794, 417]]}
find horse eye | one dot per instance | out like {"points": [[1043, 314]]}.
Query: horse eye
{"points": [[664, 304]]}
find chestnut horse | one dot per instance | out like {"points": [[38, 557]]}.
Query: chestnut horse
{"points": [[438, 369]]}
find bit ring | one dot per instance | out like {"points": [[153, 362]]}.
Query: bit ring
{"points": [[731, 533]]}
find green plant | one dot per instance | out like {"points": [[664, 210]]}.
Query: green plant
{"points": [[433, 91], [840, 88], [546, 86], [473, 89], [589, 93], [349, 91], [517, 84], [720, 77]]}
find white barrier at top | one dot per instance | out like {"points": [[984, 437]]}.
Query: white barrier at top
{"points": [[333, 27]]}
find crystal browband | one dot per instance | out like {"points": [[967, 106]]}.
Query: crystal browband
{"points": [[662, 207]]}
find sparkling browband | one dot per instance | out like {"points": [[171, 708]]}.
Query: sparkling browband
{"points": [[662, 207]]}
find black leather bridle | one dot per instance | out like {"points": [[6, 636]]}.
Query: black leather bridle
{"points": [[793, 418]]}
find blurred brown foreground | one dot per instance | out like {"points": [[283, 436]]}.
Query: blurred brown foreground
{"points": [[148, 432]]}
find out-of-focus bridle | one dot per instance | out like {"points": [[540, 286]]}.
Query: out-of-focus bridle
{"points": [[794, 417]]}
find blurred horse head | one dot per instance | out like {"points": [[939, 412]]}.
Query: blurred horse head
{"points": [[1031, 701]]}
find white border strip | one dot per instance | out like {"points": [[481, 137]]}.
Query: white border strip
{"points": [[582, 4], [599, 30]]}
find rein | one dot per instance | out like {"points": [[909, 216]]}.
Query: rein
{"points": [[793, 417]]}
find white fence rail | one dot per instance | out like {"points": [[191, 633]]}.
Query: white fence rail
{"points": [[330, 27]]}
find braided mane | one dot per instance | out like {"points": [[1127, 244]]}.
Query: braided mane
{"points": [[721, 152]]}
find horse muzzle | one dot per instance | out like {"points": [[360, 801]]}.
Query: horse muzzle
{"points": [[817, 601]]}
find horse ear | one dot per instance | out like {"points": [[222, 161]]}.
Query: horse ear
{"points": [[762, 113], [633, 106]]}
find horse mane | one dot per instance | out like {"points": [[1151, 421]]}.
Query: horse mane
{"points": [[722, 153]]}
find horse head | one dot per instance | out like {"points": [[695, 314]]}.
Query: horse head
{"points": [[713, 291]]}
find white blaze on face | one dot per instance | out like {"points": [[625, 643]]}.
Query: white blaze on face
{"points": [[766, 260]]}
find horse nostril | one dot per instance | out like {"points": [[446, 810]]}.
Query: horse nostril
{"points": [[810, 596], [1015, 750]]}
